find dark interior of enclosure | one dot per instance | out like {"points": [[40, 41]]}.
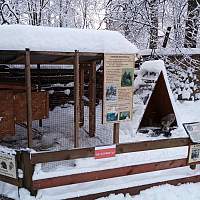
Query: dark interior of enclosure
{"points": [[53, 91], [159, 105]]}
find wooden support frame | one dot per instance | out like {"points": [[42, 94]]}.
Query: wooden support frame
{"points": [[76, 100], [116, 133], [81, 80], [28, 170], [92, 99], [72, 154], [39, 89], [108, 173], [28, 97], [137, 189]]}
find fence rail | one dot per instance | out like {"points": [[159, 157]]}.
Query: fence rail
{"points": [[44, 157], [27, 160]]}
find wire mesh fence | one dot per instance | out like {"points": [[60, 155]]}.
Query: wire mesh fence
{"points": [[54, 131]]}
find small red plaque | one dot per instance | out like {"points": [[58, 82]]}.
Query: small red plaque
{"points": [[105, 152]]}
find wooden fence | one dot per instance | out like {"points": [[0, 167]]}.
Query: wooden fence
{"points": [[27, 161]]}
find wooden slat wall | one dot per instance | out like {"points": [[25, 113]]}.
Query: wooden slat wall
{"points": [[44, 157], [136, 190], [109, 173], [40, 107]]}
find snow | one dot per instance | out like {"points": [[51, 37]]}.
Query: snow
{"points": [[38, 38], [111, 184], [189, 111], [171, 51], [6, 150], [181, 192], [120, 160]]}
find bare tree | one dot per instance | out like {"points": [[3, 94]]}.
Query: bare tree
{"points": [[7, 13], [192, 23]]}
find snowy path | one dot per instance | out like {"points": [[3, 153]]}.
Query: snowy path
{"points": [[182, 192]]}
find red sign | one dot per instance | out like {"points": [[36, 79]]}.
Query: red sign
{"points": [[105, 152]]}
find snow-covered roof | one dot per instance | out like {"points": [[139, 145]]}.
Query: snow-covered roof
{"points": [[40, 38]]}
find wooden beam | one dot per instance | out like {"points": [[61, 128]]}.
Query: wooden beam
{"points": [[108, 173], [116, 133], [12, 181], [39, 87], [76, 101], [28, 170], [63, 60], [81, 77], [17, 59], [137, 189], [44, 157], [28, 97], [92, 99]]}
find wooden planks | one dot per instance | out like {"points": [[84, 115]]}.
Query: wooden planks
{"points": [[76, 100], [40, 106], [92, 100], [7, 123], [116, 133], [6, 179], [109, 173], [136, 190], [81, 91], [121, 148], [28, 97]]}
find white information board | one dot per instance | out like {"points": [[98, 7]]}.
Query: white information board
{"points": [[193, 130], [118, 87], [194, 153], [8, 165]]}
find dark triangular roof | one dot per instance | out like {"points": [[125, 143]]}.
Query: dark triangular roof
{"points": [[159, 105]]}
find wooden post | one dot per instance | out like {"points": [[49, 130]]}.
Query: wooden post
{"points": [[28, 170], [192, 166], [28, 97], [92, 100], [39, 89], [116, 133], [76, 100], [81, 79]]}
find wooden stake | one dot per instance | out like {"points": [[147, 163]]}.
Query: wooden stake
{"points": [[39, 89], [92, 100], [28, 97], [28, 170], [81, 78], [116, 133], [76, 100]]}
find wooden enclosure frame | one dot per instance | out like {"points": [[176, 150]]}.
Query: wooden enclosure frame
{"points": [[27, 161], [80, 61]]}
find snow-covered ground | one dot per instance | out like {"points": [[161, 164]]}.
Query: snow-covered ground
{"points": [[188, 191]]}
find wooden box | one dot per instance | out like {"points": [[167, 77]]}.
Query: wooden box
{"points": [[13, 109]]}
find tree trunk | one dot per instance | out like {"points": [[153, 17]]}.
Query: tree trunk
{"points": [[191, 28], [153, 6]]}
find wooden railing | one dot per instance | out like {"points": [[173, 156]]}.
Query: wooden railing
{"points": [[28, 160]]}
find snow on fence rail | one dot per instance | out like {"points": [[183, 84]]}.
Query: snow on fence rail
{"points": [[27, 161], [43, 157]]}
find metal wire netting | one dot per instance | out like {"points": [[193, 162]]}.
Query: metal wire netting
{"points": [[56, 131]]}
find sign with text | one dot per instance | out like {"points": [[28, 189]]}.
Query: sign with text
{"points": [[193, 130], [105, 152], [8, 165], [118, 87], [194, 153]]}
